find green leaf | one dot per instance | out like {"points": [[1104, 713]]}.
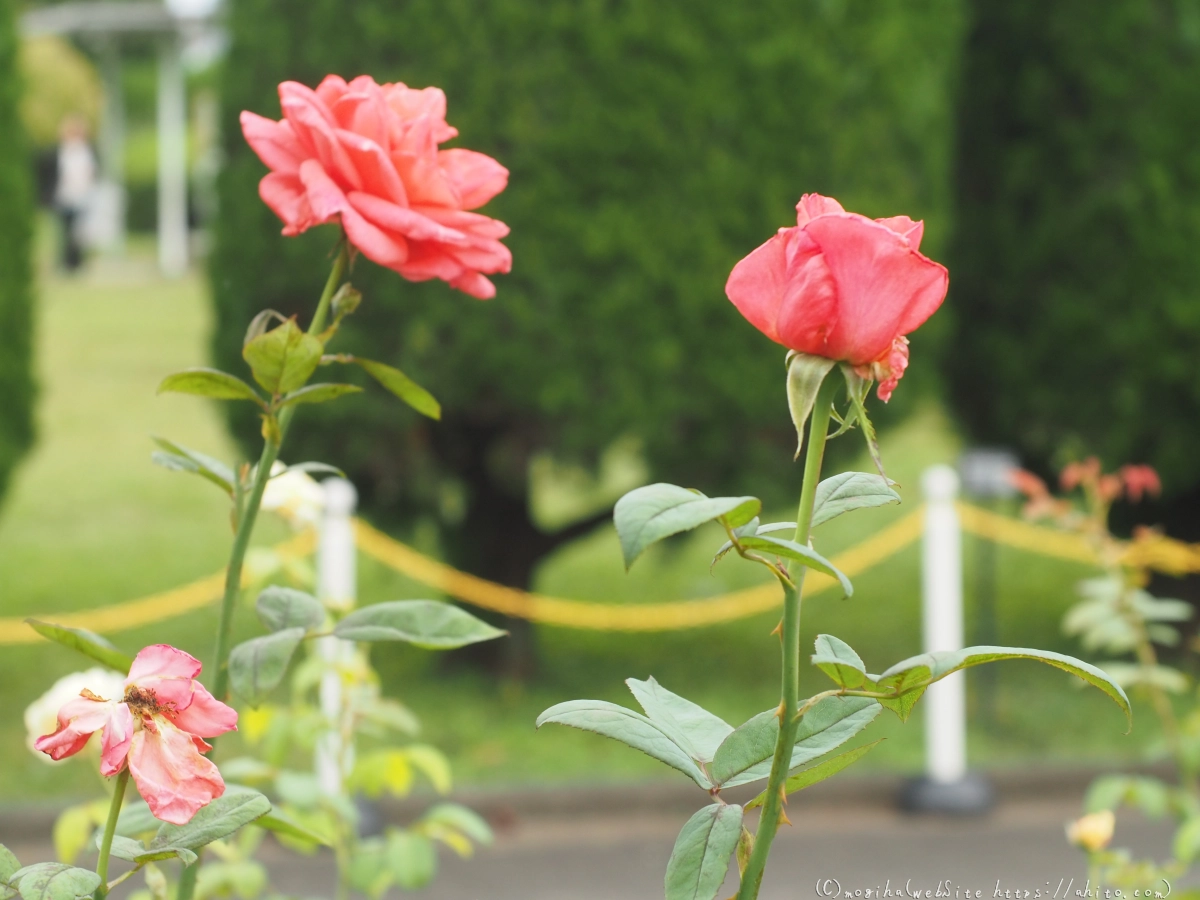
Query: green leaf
{"points": [[85, 642], [850, 490], [210, 383], [280, 608], [258, 665], [806, 556], [423, 623], [752, 528], [745, 755], [54, 881], [805, 374], [913, 675], [136, 819], [694, 729], [628, 727], [461, 819], [858, 387], [282, 824], [284, 358], [220, 818], [318, 393], [1128, 675], [180, 459], [8, 863], [838, 660], [134, 851], [411, 858], [402, 386], [657, 511], [368, 868], [814, 774], [701, 854], [1187, 840]]}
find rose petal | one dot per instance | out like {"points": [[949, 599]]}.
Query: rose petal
{"points": [[167, 672], [114, 745], [756, 285], [913, 231], [884, 288], [408, 222], [477, 176], [205, 716], [171, 775], [78, 720], [813, 205], [286, 197], [274, 142]]}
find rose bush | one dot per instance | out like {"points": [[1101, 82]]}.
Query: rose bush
{"points": [[841, 286], [366, 155]]}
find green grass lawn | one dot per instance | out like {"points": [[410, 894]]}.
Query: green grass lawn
{"points": [[90, 521]]}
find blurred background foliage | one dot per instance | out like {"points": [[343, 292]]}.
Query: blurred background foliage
{"points": [[17, 392], [1075, 286], [651, 144]]}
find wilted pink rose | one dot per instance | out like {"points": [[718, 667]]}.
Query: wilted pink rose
{"points": [[157, 729], [366, 155], [842, 286], [1140, 480]]}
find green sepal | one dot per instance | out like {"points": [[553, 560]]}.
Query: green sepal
{"points": [[858, 388], [805, 374]]}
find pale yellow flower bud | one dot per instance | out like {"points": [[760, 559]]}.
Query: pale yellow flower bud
{"points": [[1092, 832]]}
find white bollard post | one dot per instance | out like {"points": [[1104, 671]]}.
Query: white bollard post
{"points": [[172, 158], [942, 626], [947, 785], [336, 587]]}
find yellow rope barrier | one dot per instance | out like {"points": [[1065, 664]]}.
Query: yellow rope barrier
{"points": [[665, 616], [668, 616], [1024, 536], [147, 610]]}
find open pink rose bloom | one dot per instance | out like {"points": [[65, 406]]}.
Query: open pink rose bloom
{"points": [[842, 286], [366, 155], [157, 729]]}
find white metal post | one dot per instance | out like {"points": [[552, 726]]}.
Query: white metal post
{"points": [[942, 601], [336, 587], [172, 158]]}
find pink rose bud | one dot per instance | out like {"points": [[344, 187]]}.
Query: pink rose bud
{"points": [[366, 155], [841, 286], [157, 729]]}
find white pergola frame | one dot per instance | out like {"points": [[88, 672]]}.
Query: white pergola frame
{"points": [[103, 25]]}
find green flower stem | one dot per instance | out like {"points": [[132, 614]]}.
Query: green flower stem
{"points": [[110, 829], [249, 514], [768, 824]]}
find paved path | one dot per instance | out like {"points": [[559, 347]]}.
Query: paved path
{"points": [[839, 841]]}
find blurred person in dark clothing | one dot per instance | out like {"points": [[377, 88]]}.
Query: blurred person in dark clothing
{"points": [[73, 187]]}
